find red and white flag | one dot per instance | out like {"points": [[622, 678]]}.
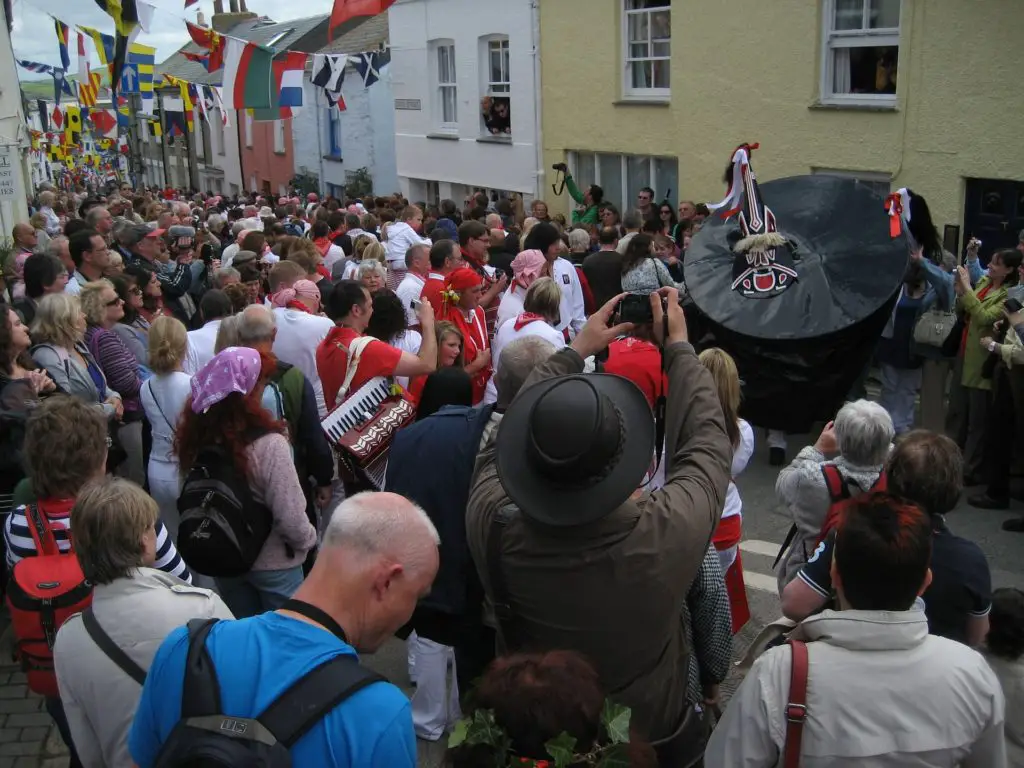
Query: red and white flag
{"points": [[349, 9]]}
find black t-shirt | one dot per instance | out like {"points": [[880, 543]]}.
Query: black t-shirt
{"points": [[603, 271], [961, 583], [345, 243]]}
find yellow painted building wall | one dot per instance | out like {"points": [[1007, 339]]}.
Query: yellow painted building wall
{"points": [[958, 114]]}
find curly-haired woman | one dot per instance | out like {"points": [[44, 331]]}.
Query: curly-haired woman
{"points": [[225, 409]]}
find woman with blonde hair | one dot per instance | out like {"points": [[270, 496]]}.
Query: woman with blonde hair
{"points": [[540, 316], [163, 399], [58, 332], [727, 535], [450, 353]]}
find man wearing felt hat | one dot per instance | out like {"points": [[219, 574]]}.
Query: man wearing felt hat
{"points": [[570, 554]]}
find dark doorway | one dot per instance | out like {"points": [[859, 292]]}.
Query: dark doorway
{"points": [[994, 213]]}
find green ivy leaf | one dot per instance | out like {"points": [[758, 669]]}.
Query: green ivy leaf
{"points": [[615, 756], [562, 749], [459, 733], [615, 719], [483, 730]]}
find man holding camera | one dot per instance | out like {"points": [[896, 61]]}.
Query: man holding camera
{"points": [[589, 200], [570, 554]]}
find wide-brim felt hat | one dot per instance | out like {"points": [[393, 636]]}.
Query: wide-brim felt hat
{"points": [[573, 448]]}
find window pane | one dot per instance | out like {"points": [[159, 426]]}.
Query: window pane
{"points": [[661, 26], [666, 179], [661, 73], [884, 14], [641, 74], [637, 4], [662, 48], [506, 67], [638, 176], [610, 167], [585, 170], [849, 14], [639, 28], [865, 70], [495, 65]]}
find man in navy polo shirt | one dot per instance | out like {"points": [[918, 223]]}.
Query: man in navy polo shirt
{"points": [[379, 557], [927, 469]]}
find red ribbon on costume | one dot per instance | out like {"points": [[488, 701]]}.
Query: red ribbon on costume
{"points": [[525, 319], [894, 205]]}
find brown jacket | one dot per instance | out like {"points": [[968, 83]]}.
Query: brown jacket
{"points": [[614, 589]]}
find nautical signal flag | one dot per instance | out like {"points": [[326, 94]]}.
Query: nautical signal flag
{"points": [[89, 89], [248, 75], [286, 90], [214, 44], [63, 36], [104, 121], [344, 10], [58, 118], [143, 59], [72, 125]]}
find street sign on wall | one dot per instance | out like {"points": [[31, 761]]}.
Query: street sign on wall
{"points": [[8, 172]]}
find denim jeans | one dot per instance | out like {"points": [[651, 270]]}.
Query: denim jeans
{"points": [[259, 591]]}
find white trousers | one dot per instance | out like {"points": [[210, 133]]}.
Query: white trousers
{"points": [[435, 703], [164, 487]]}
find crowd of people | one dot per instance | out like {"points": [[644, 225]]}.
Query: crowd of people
{"points": [[556, 535]]}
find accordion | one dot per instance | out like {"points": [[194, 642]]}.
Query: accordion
{"points": [[360, 429]]}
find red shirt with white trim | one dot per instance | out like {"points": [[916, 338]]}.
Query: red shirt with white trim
{"points": [[378, 359]]}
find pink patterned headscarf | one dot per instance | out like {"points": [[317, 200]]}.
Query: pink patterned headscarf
{"points": [[235, 369], [528, 266], [302, 289]]}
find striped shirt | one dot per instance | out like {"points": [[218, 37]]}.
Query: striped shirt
{"points": [[21, 545]]}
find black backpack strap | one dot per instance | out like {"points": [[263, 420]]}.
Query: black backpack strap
{"points": [[793, 530], [200, 694], [503, 613], [114, 652], [310, 698]]}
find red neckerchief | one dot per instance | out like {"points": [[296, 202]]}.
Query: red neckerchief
{"points": [[323, 245], [323, 271], [525, 319]]}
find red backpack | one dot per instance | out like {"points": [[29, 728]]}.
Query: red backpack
{"points": [[839, 493], [42, 593]]}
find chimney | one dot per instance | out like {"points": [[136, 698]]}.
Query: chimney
{"points": [[243, 9], [218, 7], [234, 6], [222, 22]]}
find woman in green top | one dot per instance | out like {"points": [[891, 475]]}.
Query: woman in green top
{"points": [[590, 200], [981, 308]]}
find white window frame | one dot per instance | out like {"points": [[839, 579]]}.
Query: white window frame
{"points": [[864, 37], [504, 87], [873, 178], [625, 204], [628, 90], [279, 137], [440, 87], [144, 131], [248, 130]]}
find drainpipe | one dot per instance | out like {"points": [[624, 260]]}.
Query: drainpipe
{"points": [[539, 144]]}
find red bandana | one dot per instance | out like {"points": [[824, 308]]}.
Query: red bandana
{"points": [[526, 318]]}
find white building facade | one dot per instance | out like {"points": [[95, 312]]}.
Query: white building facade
{"points": [[334, 144], [466, 78]]}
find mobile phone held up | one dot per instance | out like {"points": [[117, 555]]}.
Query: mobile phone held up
{"points": [[415, 305], [636, 309]]}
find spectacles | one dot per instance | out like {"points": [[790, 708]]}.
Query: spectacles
{"points": [[136, 291], [114, 302]]}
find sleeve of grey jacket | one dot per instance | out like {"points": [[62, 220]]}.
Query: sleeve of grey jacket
{"points": [[698, 456], [48, 359]]}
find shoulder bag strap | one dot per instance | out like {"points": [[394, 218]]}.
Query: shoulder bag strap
{"points": [[503, 613], [312, 697], [354, 352], [149, 383], [796, 707], [200, 694], [790, 535], [42, 533], [113, 652], [835, 484]]}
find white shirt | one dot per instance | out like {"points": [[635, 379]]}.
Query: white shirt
{"points": [[201, 343], [506, 335], [73, 287], [572, 309], [511, 304], [163, 399], [298, 335], [402, 237], [733, 503], [409, 289], [407, 341], [333, 256]]}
